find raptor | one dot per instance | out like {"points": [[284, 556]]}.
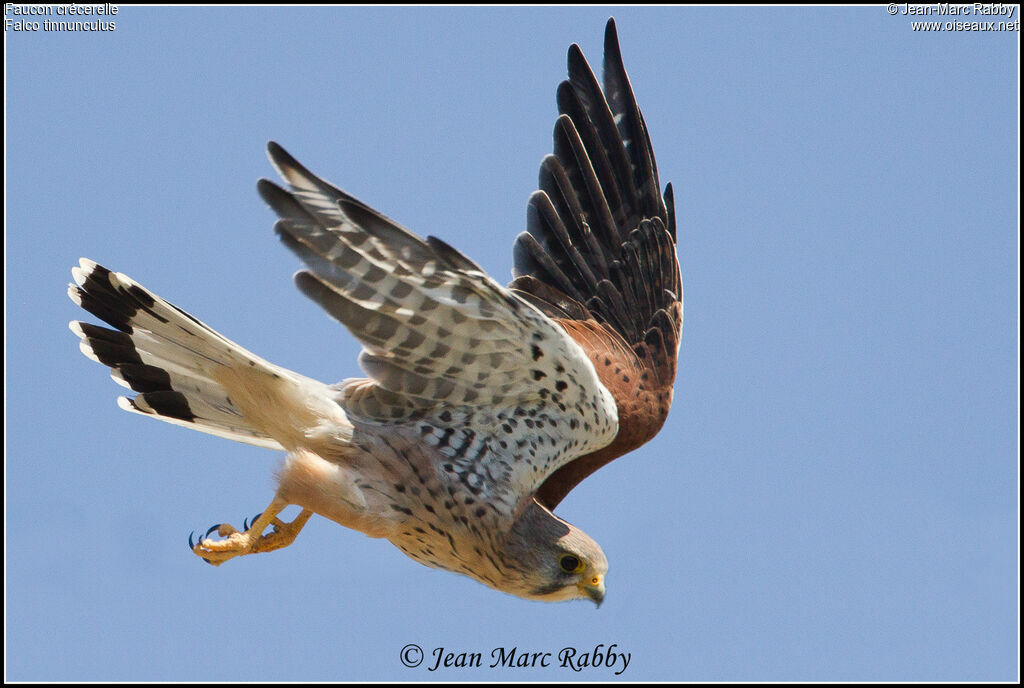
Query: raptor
{"points": [[483, 405]]}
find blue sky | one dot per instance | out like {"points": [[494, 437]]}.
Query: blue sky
{"points": [[834, 495]]}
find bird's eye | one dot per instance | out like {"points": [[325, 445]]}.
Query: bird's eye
{"points": [[571, 564]]}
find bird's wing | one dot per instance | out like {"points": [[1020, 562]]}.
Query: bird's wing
{"points": [[599, 254], [502, 392]]}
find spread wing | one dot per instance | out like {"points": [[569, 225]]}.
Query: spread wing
{"points": [[599, 254], [502, 393]]}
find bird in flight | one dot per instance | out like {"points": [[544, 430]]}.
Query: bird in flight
{"points": [[483, 405]]}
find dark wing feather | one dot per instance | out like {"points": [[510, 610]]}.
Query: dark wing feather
{"points": [[599, 254]]}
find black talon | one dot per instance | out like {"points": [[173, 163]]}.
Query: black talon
{"points": [[254, 519], [192, 545], [212, 528]]}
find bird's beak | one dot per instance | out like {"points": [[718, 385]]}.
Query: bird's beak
{"points": [[593, 587]]}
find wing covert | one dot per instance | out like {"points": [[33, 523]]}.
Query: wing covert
{"points": [[478, 373]]}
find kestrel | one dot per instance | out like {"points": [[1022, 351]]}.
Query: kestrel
{"points": [[484, 405]]}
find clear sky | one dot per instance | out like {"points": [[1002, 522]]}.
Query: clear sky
{"points": [[834, 495]]}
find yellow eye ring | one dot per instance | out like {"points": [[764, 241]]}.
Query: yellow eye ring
{"points": [[570, 564]]}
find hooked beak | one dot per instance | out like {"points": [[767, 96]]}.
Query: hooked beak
{"points": [[593, 588]]}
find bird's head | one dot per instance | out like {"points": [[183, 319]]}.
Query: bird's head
{"points": [[553, 560]]}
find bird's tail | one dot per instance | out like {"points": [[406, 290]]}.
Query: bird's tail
{"points": [[158, 350]]}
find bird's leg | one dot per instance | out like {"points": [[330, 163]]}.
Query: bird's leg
{"points": [[252, 541]]}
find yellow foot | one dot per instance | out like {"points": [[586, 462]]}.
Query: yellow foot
{"points": [[252, 540]]}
